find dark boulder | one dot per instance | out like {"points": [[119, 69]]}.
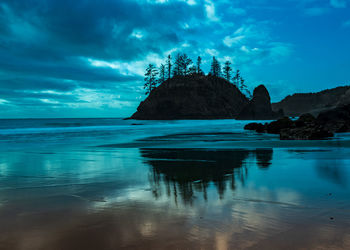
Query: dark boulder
{"points": [[259, 107], [306, 127], [275, 127], [305, 119], [258, 127]]}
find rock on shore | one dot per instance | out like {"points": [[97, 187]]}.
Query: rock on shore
{"points": [[307, 127]]}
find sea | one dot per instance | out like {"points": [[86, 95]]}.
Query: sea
{"points": [[184, 184]]}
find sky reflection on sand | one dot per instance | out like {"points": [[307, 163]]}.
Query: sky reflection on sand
{"points": [[160, 198]]}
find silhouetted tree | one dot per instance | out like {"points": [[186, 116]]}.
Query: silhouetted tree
{"points": [[237, 78], [150, 78], [186, 62], [239, 82], [182, 63], [199, 62], [161, 74], [227, 70], [178, 64], [242, 86], [244, 89], [215, 67], [183, 66], [168, 64]]}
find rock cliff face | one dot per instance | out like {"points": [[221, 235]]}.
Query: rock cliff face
{"points": [[192, 97], [313, 103], [259, 107], [344, 99], [337, 119]]}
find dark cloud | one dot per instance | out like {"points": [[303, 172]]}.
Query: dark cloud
{"points": [[50, 45], [36, 84], [45, 45], [69, 69], [102, 29]]}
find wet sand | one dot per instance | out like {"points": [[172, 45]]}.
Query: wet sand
{"points": [[175, 199], [170, 185], [138, 227]]}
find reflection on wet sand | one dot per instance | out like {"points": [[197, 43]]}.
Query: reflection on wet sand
{"points": [[184, 171], [138, 225], [334, 171], [174, 199]]}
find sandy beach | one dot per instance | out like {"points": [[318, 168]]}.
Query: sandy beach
{"points": [[156, 191]]}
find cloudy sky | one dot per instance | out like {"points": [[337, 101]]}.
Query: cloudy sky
{"points": [[86, 58]]}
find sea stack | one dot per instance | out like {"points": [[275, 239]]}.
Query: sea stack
{"points": [[259, 107], [192, 97]]}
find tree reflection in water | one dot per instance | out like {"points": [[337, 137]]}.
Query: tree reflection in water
{"points": [[180, 172]]}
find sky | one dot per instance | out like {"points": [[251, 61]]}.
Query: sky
{"points": [[87, 58]]}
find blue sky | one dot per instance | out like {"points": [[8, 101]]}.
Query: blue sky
{"points": [[86, 58]]}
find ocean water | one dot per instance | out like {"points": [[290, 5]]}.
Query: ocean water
{"points": [[125, 184]]}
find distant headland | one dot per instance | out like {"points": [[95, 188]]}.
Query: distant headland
{"points": [[314, 103]]}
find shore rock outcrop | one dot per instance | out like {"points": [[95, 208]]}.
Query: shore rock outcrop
{"points": [[259, 107], [336, 120], [307, 127], [192, 97]]}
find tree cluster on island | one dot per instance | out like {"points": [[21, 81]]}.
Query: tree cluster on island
{"points": [[184, 66]]}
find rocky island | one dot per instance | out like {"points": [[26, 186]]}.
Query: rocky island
{"points": [[179, 90], [204, 97], [192, 97]]}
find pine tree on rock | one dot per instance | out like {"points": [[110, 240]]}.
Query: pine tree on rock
{"points": [[227, 71], [242, 86], [215, 68], [178, 64], [184, 66], [168, 65], [186, 62], [244, 89], [150, 78], [237, 78], [199, 62]]}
